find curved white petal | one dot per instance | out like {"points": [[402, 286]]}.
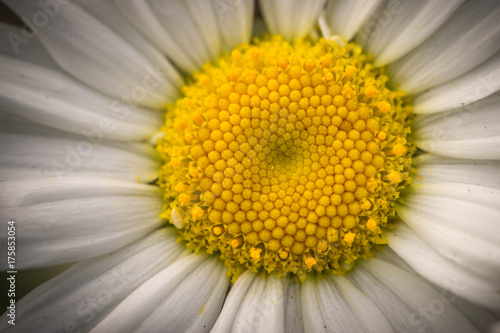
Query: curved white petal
{"points": [[55, 99], [397, 313], [29, 157], [191, 33], [70, 219], [94, 54], [233, 302], [291, 18], [185, 297], [439, 316], [261, 310], [403, 26], [108, 13], [474, 85], [292, 305], [440, 271], [325, 310], [235, 19], [346, 17], [459, 221], [467, 250], [21, 43], [435, 169], [362, 307], [469, 37], [83, 295], [471, 132], [195, 304]]}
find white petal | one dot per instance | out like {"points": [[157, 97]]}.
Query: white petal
{"points": [[21, 43], [233, 301], [468, 38], [144, 19], [292, 19], [185, 296], [423, 301], [84, 294], [55, 99], [29, 157], [94, 54], [325, 310], [190, 33], [72, 219], [440, 271], [108, 13], [474, 85], [459, 221], [434, 169], [235, 20], [140, 303], [408, 25], [362, 307], [193, 306], [292, 305], [471, 132], [262, 307], [346, 17], [398, 314]]}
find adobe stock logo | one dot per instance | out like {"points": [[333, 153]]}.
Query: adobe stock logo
{"points": [[48, 9]]}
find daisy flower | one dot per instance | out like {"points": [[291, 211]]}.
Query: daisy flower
{"points": [[231, 166]]}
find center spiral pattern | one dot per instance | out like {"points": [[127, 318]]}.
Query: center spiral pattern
{"points": [[286, 157]]}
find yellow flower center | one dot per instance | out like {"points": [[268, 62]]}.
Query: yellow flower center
{"points": [[286, 157]]}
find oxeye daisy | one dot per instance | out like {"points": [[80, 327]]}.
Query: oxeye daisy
{"points": [[241, 166]]}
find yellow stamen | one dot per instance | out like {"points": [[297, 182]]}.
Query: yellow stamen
{"points": [[349, 237], [371, 224], [255, 253]]}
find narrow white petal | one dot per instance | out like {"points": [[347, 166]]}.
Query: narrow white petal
{"points": [[29, 157], [474, 85], [143, 18], [108, 13], [325, 310], [94, 54], [233, 302], [262, 307], [292, 305], [21, 43], [440, 316], [445, 224], [80, 297], [55, 99], [468, 38], [408, 25], [471, 132], [193, 306], [175, 18], [311, 311], [345, 17], [440, 271], [362, 307], [397, 313], [435, 169], [147, 297], [70, 219], [292, 19], [235, 19], [204, 16]]}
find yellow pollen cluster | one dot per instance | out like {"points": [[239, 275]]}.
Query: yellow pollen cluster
{"points": [[286, 157]]}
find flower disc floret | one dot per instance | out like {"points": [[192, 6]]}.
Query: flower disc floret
{"points": [[286, 158]]}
